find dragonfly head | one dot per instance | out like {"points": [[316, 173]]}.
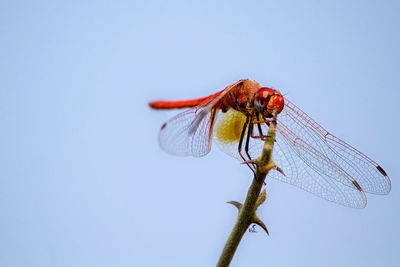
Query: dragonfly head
{"points": [[268, 100]]}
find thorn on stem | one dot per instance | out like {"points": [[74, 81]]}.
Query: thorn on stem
{"points": [[261, 224], [279, 170], [238, 205]]}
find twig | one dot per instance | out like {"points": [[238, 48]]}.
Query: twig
{"points": [[247, 211]]}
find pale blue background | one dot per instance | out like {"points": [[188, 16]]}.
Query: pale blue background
{"points": [[83, 181]]}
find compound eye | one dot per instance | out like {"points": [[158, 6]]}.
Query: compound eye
{"points": [[262, 98]]}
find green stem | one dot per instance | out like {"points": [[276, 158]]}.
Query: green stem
{"points": [[247, 211]]}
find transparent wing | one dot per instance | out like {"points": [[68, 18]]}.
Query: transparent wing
{"points": [[307, 161], [190, 132], [311, 178], [329, 154]]}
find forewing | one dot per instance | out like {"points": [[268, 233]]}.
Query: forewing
{"points": [[333, 155], [291, 159], [298, 172]]}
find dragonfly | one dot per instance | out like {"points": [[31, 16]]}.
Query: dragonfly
{"points": [[238, 118]]}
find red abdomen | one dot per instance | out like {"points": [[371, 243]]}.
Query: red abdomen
{"points": [[165, 104], [161, 104]]}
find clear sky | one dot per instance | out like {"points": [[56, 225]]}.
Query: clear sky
{"points": [[83, 181]]}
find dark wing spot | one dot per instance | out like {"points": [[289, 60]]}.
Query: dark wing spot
{"points": [[163, 126], [357, 185], [381, 170]]}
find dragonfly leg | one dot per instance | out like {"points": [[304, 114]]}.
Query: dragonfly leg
{"points": [[241, 138], [246, 147], [264, 120], [258, 122], [245, 127], [249, 133]]}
